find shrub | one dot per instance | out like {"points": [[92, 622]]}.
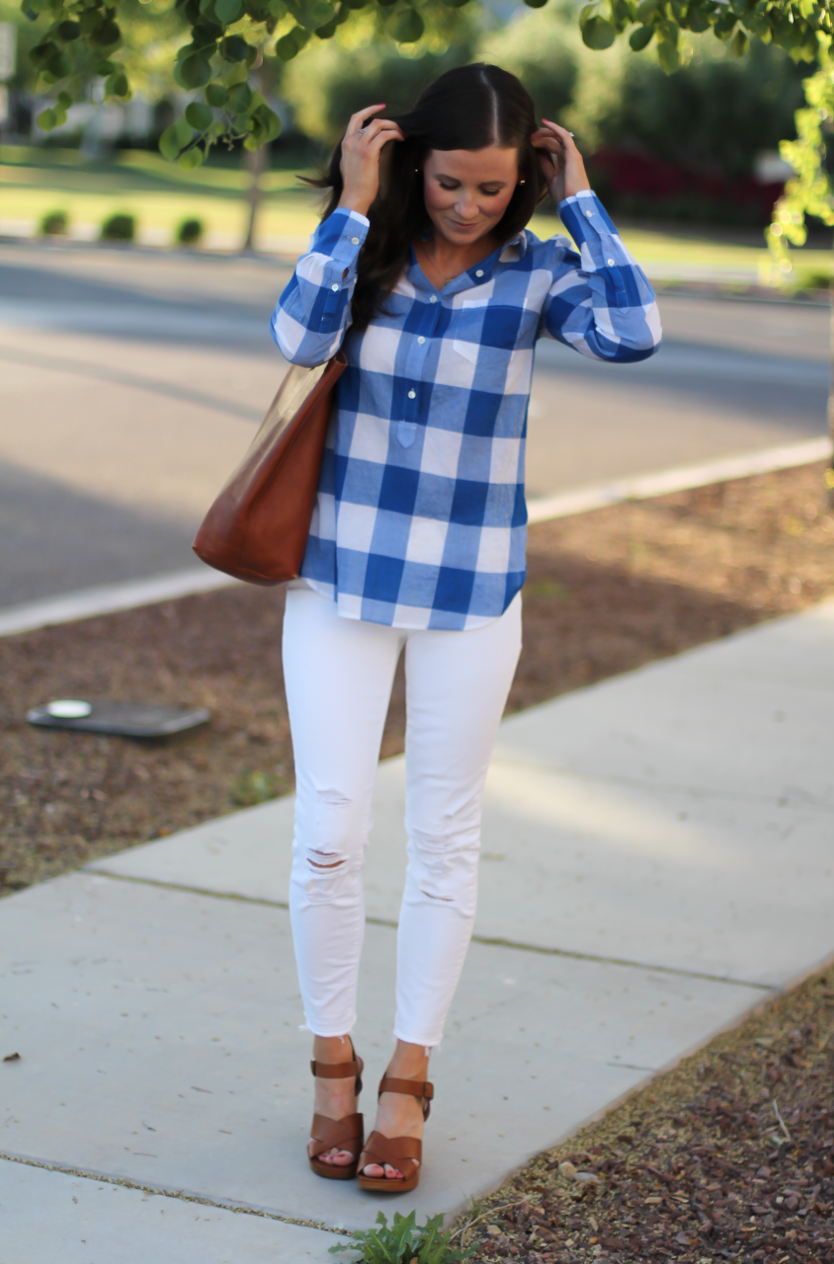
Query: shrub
{"points": [[54, 224], [119, 228], [190, 232], [812, 280]]}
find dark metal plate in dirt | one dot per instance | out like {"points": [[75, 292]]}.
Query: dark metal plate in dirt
{"points": [[126, 719]]}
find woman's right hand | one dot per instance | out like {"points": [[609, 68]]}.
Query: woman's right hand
{"points": [[361, 147]]}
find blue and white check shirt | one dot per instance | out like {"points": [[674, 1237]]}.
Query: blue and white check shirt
{"points": [[420, 517]]}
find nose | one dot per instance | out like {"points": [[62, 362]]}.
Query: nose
{"points": [[466, 205]]}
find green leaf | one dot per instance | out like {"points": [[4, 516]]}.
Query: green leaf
{"points": [[531, 4], [406, 27], [697, 19], [269, 121], [228, 11], [668, 56], [740, 43], [641, 37], [597, 33], [292, 43], [64, 100], [175, 138], [234, 48], [68, 31], [238, 72], [645, 9], [117, 85], [199, 116], [277, 9], [240, 98], [193, 71], [217, 95], [190, 159], [315, 13], [105, 67], [326, 32], [106, 34], [47, 119], [42, 52], [286, 47]]}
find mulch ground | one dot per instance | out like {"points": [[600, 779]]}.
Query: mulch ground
{"points": [[730, 1156], [607, 591]]}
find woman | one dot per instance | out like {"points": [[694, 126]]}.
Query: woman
{"points": [[422, 270]]}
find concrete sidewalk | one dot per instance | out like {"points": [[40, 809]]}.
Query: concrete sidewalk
{"points": [[657, 860]]}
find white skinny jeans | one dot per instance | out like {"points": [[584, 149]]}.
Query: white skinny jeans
{"points": [[339, 673]]}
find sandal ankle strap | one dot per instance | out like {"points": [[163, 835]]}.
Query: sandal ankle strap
{"points": [[340, 1070], [336, 1070], [413, 1088]]}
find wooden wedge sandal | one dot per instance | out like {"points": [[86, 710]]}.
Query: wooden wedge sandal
{"points": [[404, 1153], [346, 1133]]}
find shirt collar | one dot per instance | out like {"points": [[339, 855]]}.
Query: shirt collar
{"points": [[510, 252]]}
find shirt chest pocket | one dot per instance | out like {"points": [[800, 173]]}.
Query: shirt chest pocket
{"points": [[487, 332], [468, 328]]}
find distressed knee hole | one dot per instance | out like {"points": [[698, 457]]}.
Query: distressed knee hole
{"points": [[333, 798], [325, 859], [432, 895]]}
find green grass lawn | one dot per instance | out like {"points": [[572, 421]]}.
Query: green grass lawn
{"points": [[36, 180]]}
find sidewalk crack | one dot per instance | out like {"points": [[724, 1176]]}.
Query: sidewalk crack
{"points": [[489, 941], [163, 1191]]}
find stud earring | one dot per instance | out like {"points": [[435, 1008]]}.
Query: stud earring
{"points": [[522, 182]]}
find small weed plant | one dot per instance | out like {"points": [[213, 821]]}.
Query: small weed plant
{"points": [[253, 787], [404, 1242]]}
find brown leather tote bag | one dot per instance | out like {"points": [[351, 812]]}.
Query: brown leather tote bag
{"points": [[258, 526]]}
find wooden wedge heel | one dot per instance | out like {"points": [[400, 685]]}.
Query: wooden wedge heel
{"points": [[403, 1153], [346, 1133]]}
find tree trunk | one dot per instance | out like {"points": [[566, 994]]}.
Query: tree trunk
{"points": [[255, 162], [829, 473]]}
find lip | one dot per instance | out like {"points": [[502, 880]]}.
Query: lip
{"points": [[462, 228]]}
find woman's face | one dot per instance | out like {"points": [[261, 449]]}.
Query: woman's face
{"points": [[468, 190]]}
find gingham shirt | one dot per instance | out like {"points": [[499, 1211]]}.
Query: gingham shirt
{"points": [[420, 517]]}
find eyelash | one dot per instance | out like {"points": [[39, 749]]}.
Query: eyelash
{"points": [[450, 188]]}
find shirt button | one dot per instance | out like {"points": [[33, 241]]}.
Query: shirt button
{"points": [[354, 241], [334, 288], [611, 263], [412, 394], [589, 214], [480, 272], [421, 340], [433, 298]]}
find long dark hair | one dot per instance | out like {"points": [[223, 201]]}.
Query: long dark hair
{"points": [[469, 107]]}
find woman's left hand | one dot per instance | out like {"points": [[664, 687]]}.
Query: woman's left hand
{"points": [[562, 165]]}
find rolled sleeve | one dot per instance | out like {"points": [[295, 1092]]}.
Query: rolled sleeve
{"points": [[601, 302], [313, 313]]}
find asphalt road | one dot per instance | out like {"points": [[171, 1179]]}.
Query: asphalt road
{"points": [[130, 382]]}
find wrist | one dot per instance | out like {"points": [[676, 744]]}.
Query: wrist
{"points": [[572, 190], [348, 202]]}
